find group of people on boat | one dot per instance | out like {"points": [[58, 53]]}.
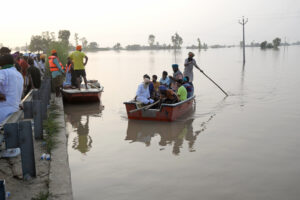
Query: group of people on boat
{"points": [[74, 70], [19, 73], [169, 89]]}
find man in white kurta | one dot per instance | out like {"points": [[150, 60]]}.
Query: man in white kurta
{"points": [[143, 93], [189, 64], [11, 89]]}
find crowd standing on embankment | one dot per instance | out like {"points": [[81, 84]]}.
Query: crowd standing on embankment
{"points": [[170, 89], [19, 73]]}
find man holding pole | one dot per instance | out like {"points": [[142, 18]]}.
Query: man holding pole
{"points": [[188, 70], [189, 63]]}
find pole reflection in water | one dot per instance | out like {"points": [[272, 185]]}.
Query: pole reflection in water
{"points": [[171, 134], [78, 116]]}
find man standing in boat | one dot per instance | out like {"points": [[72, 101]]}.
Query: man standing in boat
{"points": [[79, 66], [189, 63]]}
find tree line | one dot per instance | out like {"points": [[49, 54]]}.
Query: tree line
{"points": [[48, 40]]}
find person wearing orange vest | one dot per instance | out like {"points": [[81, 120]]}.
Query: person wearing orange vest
{"points": [[57, 71]]}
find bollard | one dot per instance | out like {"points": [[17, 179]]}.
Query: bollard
{"points": [[28, 110], [2, 190], [38, 120], [27, 149], [11, 134]]}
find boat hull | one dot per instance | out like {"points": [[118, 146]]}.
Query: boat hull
{"points": [[167, 112], [81, 96]]}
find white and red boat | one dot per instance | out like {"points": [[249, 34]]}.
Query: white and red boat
{"points": [[92, 94]]}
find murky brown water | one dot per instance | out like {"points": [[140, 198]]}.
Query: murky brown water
{"points": [[243, 147]]}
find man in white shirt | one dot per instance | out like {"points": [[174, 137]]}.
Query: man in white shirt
{"points": [[11, 87], [143, 93]]}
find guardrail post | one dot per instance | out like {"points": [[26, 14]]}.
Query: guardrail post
{"points": [[11, 134], [2, 190], [27, 149], [27, 109], [35, 95], [38, 120], [48, 90], [43, 99]]}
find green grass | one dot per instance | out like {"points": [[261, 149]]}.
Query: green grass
{"points": [[51, 126]]}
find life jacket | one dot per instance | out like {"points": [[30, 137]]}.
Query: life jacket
{"points": [[52, 65], [68, 67]]}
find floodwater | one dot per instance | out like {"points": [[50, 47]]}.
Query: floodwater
{"points": [[243, 147]]}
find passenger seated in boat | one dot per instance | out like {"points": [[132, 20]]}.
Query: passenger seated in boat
{"points": [[177, 75], [154, 94], [143, 94], [167, 96], [67, 83], [165, 80], [182, 93], [188, 86]]}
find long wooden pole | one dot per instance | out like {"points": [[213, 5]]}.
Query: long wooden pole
{"points": [[214, 82], [144, 107]]}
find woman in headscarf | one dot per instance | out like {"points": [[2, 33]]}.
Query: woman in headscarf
{"points": [[143, 94]]}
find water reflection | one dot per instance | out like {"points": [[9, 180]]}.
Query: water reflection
{"points": [[171, 134], [79, 116]]}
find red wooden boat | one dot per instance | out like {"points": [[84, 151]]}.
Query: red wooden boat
{"points": [[92, 94], [166, 112]]}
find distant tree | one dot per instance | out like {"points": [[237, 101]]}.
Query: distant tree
{"points": [[176, 41], [93, 46], [151, 40], [64, 36], [276, 42], [199, 43], [52, 34], [17, 49], [263, 45], [46, 36], [36, 43], [134, 47], [76, 38], [84, 42], [1, 45], [117, 46], [270, 46]]}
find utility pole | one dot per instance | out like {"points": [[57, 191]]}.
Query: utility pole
{"points": [[243, 22]]}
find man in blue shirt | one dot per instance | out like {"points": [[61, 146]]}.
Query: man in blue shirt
{"points": [[165, 80]]}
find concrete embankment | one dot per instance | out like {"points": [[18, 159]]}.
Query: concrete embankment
{"points": [[53, 178], [60, 186]]}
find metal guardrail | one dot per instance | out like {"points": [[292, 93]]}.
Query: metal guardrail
{"points": [[18, 126]]}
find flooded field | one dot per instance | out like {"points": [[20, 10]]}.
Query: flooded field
{"points": [[243, 147]]}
